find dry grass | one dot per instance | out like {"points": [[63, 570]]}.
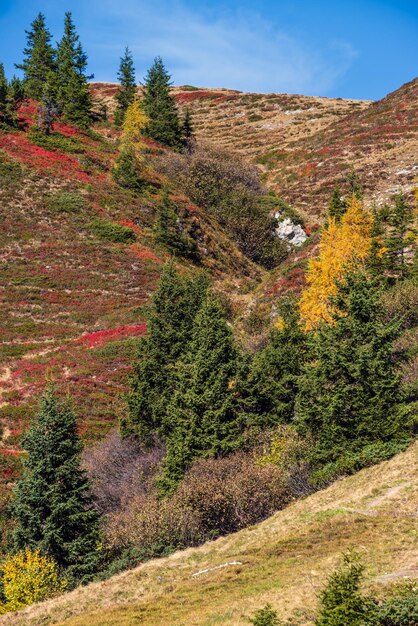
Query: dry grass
{"points": [[284, 561]]}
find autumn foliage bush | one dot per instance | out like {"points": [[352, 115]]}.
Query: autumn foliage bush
{"points": [[28, 577], [216, 497]]}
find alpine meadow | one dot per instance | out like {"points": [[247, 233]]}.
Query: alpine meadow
{"points": [[208, 330]]}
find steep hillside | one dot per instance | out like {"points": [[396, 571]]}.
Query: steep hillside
{"points": [[78, 263], [305, 145], [284, 560]]}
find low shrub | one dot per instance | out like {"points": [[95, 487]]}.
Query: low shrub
{"points": [[66, 202], [28, 577], [401, 302], [110, 231], [352, 462], [216, 497], [56, 142]]}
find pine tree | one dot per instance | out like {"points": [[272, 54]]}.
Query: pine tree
{"points": [[72, 89], [399, 236], [126, 94], [270, 390], [203, 412], [170, 323], [188, 136], [39, 58], [52, 507], [337, 206], [350, 393], [159, 105]]}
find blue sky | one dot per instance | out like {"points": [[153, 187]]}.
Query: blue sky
{"points": [[340, 48]]}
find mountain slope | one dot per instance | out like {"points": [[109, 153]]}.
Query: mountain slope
{"points": [[284, 561], [78, 262]]}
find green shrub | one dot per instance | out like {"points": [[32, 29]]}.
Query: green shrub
{"points": [[110, 231], [352, 462], [266, 616], [55, 142], [399, 607], [66, 202]]}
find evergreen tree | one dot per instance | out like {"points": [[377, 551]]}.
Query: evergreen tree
{"points": [[399, 237], [337, 206], [72, 89], [188, 136], [159, 105], [270, 391], [3, 93], [48, 110], [203, 412], [169, 231], [350, 393], [125, 172], [39, 58], [126, 94], [341, 602], [355, 187], [377, 256], [170, 323], [52, 507]]}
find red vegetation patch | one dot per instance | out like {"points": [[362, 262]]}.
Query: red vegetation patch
{"points": [[102, 336], [45, 161], [145, 253]]}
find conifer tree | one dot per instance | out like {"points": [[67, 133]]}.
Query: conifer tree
{"points": [[350, 392], [126, 94], [169, 231], [52, 507], [72, 89], [3, 93], [337, 206], [170, 323], [203, 412], [159, 105], [39, 58], [188, 136], [48, 110], [271, 388], [399, 236]]}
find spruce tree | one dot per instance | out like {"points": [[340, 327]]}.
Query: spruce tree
{"points": [[203, 412], [350, 393], [39, 58], [170, 323], [160, 106], [400, 218], [52, 508], [48, 110], [337, 206], [126, 94], [3, 93], [72, 89], [188, 136], [269, 393]]}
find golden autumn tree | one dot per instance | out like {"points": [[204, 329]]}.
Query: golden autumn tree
{"points": [[133, 126], [342, 245], [129, 165]]}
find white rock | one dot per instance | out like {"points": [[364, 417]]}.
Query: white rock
{"points": [[290, 232]]}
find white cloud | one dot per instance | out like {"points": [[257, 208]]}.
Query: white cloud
{"points": [[235, 50]]}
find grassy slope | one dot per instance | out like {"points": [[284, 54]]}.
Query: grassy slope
{"points": [[284, 561]]}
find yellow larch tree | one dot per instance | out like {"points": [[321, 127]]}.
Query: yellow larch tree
{"points": [[342, 244], [133, 126]]}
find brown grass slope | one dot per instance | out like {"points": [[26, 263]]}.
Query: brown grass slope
{"points": [[284, 560]]}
